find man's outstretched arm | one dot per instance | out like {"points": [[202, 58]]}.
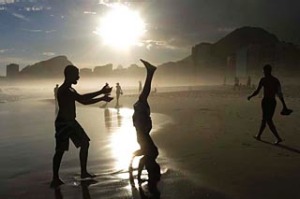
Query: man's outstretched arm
{"points": [[82, 98], [105, 98]]}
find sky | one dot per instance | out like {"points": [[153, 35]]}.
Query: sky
{"points": [[37, 30]]}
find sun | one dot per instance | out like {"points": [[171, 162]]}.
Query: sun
{"points": [[121, 28]]}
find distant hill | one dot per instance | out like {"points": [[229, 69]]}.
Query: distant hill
{"points": [[50, 68]]}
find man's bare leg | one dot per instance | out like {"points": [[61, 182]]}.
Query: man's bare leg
{"points": [[56, 181], [83, 155], [274, 131], [261, 129]]}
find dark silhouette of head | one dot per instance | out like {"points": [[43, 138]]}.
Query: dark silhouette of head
{"points": [[267, 70], [71, 74]]}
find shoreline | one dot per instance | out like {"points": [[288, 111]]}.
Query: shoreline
{"points": [[210, 143]]}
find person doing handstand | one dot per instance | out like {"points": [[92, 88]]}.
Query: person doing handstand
{"points": [[143, 125]]}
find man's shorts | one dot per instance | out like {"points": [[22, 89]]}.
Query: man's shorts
{"points": [[72, 130]]}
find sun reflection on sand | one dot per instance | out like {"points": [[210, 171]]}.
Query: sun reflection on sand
{"points": [[123, 137]]}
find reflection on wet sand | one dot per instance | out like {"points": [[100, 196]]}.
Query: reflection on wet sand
{"points": [[122, 135]]}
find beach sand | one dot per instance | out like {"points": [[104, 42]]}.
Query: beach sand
{"points": [[204, 137]]}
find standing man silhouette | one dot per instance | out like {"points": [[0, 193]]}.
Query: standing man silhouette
{"points": [[272, 88], [66, 125]]}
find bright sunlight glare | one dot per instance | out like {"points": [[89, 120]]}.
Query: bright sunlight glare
{"points": [[121, 28]]}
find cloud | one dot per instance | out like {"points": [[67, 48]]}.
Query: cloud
{"points": [[20, 16], [226, 29], [49, 54], [89, 12], [4, 2], [38, 30], [2, 51]]}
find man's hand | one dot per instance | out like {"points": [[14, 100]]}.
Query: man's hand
{"points": [[106, 89], [106, 98]]}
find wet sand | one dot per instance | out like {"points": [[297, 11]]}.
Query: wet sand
{"points": [[204, 137]]}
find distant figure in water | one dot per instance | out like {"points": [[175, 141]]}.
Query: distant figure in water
{"points": [[140, 86], [67, 127], [55, 98], [272, 88], [119, 92], [143, 125]]}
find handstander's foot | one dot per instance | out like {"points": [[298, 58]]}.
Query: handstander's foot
{"points": [[148, 66]]}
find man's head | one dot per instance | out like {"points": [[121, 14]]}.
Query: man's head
{"points": [[267, 70], [71, 74]]}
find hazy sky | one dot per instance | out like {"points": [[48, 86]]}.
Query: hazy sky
{"points": [[36, 30]]}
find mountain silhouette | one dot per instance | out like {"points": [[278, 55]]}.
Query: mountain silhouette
{"points": [[242, 52], [50, 68]]}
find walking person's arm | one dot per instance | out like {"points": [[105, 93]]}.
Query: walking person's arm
{"points": [[280, 95], [256, 91]]}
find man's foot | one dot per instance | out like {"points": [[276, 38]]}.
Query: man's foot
{"points": [[148, 66], [56, 183], [256, 137], [87, 175], [278, 141]]}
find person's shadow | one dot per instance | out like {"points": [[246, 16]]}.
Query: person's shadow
{"points": [[84, 189], [282, 146]]}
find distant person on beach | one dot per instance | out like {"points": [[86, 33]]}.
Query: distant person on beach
{"points": [[55, 91], [55, 98], [272, 88], [119, 92], [236, 83], [143, 125], [67, 127], [140, 86]]}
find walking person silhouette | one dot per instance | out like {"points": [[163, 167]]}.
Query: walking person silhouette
{"points": [[119, 92], [67, 127], [143, 125], [272, 88]]}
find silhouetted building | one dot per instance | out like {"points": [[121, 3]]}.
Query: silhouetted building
{"points": [[86, 72], [12, 70]]}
